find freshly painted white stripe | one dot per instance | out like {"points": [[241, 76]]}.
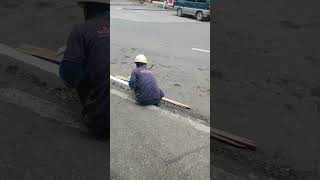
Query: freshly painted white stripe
{"points": [[203, 50], [193, 122], [119, 80], [44, 65]]}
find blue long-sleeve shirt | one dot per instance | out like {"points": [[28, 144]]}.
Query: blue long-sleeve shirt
{"points": [[86, 66], [144, 84]]}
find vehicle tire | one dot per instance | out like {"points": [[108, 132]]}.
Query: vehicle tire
{"points": [[179, 12], [199, 16]]}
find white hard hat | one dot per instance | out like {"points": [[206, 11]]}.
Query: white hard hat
{"points": [[140, 58], [94, 1]]}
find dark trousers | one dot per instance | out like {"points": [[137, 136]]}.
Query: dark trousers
{"points": [[95, 102], [155, 102]]}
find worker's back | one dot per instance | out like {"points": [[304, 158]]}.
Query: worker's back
{"points": [[88, 45], [91, 41], [144, 84]]}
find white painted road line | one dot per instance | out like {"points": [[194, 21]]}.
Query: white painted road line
{"points": [[192, 122], [44, 65], [119, 80], [202, 50]]}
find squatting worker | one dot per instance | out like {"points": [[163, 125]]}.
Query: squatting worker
{"points": [[144, 84], [85, 66]]}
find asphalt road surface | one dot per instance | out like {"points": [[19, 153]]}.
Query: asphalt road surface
{"points": [[146, 142], [40, 122], [162, 146], [38, 129], [167, 41], [267, 81], [152, 143]]}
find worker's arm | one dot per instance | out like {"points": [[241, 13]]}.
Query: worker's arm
{"points": [[71, 68], [133, 79], [161, 94]]}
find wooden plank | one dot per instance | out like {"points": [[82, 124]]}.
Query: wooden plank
{"points": [[226, 140], [232, 136], [176, 103], [164, 99], [250, 144], [39, 52]]}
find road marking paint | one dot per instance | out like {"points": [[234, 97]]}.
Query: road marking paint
{"points": [[119, 80], [44, 65], [202, 50], [192, 122]]}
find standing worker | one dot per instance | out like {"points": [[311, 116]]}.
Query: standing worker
{"points": [[165, 4], [85, 66], [144, 84]]}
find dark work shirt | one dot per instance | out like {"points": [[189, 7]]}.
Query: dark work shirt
{"points": [[144, 84], [88, 45]]}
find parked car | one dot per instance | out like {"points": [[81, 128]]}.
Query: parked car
{"points": [[197, 8]]}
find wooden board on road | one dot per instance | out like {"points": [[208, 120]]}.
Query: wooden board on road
{"points": [[175, 103], [43, 53], [216, 133], [226, 140]]}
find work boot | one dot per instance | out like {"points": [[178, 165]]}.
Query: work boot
{"points": [[101, 129], [91, 129]]}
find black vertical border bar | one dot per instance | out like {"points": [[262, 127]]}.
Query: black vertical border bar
{"points": [[212, 47], [108, 100]]}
